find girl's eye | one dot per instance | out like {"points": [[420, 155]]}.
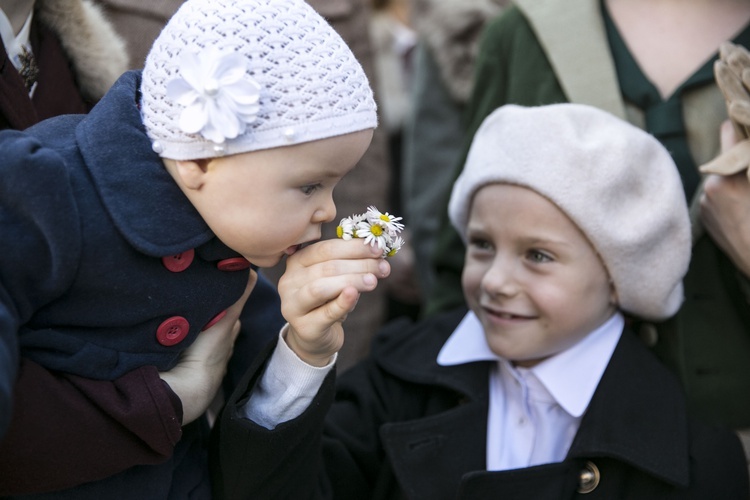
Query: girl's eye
{"points": [[310, 189], [480, 244], [538, 257]]}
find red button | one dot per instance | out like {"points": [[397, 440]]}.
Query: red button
{"points": [[180, 262], [234, 264], [215, 320], [172, 330]]}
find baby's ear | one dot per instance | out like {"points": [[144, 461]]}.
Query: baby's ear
{"points": [[191, 172]]}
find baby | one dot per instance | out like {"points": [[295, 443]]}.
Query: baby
{"points": [[133, 232]]}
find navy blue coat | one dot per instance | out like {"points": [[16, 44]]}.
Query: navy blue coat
{"points": [[398, 425], [95, 236]]}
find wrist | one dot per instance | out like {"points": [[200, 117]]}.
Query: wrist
{"points": [[291, 338]]}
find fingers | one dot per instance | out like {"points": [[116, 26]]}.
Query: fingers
{"points": [[320, 287], [736, 56], [332, 249], [732, 71], [733, 160], [310, 282]]}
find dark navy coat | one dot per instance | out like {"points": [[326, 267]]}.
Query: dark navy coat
{"points": [[90, 223], [104, 264], [398, 425]]}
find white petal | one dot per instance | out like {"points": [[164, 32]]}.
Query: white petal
{"points": [[191, 70], [230, 68], [223, 119], [181, 92], [193, 118]]}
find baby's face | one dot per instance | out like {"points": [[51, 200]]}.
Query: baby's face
{"points": [[264, 204], [531, 277]]}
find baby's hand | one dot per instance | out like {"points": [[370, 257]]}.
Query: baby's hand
{"points": [[197, 376], [321, 285]]}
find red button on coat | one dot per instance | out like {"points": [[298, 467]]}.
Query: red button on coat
{"points": [[180, 262], [234, 264], [172, 330], [214, 320]]}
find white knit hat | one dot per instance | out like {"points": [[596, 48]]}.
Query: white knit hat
{"points": [[615, 182], [230, 76]]}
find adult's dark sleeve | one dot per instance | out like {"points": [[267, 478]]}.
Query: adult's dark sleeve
{"points": [[68, 430]]}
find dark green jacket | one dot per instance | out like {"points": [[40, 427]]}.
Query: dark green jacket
{"points": [[548, 51]]}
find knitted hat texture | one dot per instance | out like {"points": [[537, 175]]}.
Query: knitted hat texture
{"points": [[231, 76], [616, 182]]}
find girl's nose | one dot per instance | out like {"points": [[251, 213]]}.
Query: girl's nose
{"points": [[500, 278]]}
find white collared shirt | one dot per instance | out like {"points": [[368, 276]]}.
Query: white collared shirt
{"points": [[535, 412], [15, 44]]}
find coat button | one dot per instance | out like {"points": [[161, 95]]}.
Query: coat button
{"points": [[234, 264], [648, 334], [214, 320], [172, 331], [180, 262], [588, 478]]}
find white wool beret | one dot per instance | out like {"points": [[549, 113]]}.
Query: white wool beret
{"points": [[616, 182], [231, 76]]}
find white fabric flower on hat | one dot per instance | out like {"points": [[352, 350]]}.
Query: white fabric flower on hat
{"points": [[219, 97]]}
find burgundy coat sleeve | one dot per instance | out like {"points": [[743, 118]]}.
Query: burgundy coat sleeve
{"points": [[68, 430]]}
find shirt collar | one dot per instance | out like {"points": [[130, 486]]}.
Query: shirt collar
{"points": [[571, 376], [13, 43]]}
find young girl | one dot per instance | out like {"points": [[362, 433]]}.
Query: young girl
{"points": [[573, 220], [129, 233]]}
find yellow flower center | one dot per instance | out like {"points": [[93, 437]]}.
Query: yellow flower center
{"points": [[339, 231], [376, 230], [392, 252], [385, 218]]}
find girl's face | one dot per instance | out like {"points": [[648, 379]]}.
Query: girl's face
{"points": [[531, 277], [264, 204]]}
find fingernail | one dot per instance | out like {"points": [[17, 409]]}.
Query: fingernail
{"points": [[369, 280], [382, 267]]}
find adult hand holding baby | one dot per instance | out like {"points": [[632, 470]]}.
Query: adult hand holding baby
{"points": [[321, 285], [198, 375]]}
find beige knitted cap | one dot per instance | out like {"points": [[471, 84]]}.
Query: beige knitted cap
{"points": [[231, 76], [616, 183]]}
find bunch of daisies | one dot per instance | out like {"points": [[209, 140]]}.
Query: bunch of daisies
{"points": [[376, 228]]}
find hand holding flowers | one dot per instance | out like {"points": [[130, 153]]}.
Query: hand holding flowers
{"points": [[320, 287]]}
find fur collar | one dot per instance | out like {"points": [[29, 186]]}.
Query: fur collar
{"points": [[97, 53], [451, 30]]}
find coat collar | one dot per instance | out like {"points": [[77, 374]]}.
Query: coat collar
{"points": [[145, 203], [575, 41], [651, 435]]}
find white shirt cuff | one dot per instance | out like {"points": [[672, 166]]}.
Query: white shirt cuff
{"points": [[286, 388]]}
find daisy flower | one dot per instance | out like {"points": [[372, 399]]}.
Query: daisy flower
{"points": [[376, 228], [374, 234], [389, 221], [346, 228], [395, 246]]}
